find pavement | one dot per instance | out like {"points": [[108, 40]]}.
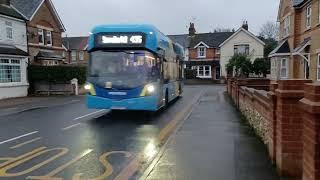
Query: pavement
{"points": [[213, 143], [200, 136]]}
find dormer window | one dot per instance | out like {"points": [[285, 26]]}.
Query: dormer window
{"points": [[41, 36], [202, 51]]}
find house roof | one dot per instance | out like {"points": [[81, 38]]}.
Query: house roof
{"points": [[303, 45], [9, 11], [28, 8], [245, 31], [181, 39], [210, 39], [282, 48], [12, 50], [75, 43]]}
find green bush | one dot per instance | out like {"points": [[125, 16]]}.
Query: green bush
{"points": [[56, 74], [241, 64], [261, 66]]}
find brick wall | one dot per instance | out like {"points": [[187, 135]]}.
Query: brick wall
{"points": [[287, 118], [210, 54]]}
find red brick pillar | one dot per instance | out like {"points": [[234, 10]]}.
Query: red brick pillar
{"points": [[272, 126], [310, 107], [289, 127], [273, 86]]}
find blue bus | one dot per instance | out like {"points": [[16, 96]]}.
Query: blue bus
{"points": [[133, 67]]}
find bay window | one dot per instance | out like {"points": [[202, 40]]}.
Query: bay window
{"points": [[41, 36], [242, 49], [10, 70], [73, 55], [284, 68], [9, 30], [49, 38], [204, 71], [286, 26], [81, 55], [308, 17]]}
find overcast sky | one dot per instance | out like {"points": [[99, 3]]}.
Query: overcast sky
{"points": [[170, 16]]}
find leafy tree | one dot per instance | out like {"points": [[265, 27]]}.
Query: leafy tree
{"points": [[240, 65], [261, 66]]}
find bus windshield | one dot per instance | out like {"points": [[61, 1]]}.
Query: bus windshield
{"points": [[123, 69]]}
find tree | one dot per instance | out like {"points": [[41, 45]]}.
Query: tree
{"points": [[261, 66], [269, 30], [240, 66]]}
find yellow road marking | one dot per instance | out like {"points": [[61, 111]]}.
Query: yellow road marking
{"points": [[106, 164], [24, 143], [22, 157], [136, 163], [61, 168], [69, 127], [3, 170]]}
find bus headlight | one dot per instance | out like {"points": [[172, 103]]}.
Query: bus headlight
{"points": [[150, 89], [88, 87]]}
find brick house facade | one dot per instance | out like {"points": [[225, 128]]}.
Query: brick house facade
{"points": [[44, 31], [297, 55], [76, 50]]}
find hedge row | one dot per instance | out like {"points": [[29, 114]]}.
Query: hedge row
{"points": [[56, 74]]}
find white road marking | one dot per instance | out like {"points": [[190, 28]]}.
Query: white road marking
{"points": [[69, 127], [18, 137], [89, 114]]}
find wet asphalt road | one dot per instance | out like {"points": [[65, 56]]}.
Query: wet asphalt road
{"points": [[72, 142]]}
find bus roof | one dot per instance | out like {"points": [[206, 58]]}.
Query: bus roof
{"points": [[154, 38]]}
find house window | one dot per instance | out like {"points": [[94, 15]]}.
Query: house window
{"points": [[286, 26], [284, 68], [41, 36], [9, 30], [81, 55], [49, 38], [73, 55], [308, 17], [318, 68], [217, 51], [201, 52], [10, 70], [204, 71], [242, 49]]}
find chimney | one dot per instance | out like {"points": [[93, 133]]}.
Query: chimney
{"points": [[245, 25], [192, 30], [5, 2]]}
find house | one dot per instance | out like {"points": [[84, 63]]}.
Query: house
{"points": [[204, 52], [76, 50], [241, 42], [298, 53], [44, 30], [13, 52]]}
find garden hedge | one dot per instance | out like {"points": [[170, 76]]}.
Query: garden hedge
{"points": [[56, 74]]}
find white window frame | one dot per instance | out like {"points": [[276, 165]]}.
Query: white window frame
{"points": [[41, 33], [308, 17], [200, 48], [203, 75], [318, 68], [284, 67], [81, 56], [11, 63], [286, 26], [73, 56], [49, 37], [9, 30], [236, 46]]}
